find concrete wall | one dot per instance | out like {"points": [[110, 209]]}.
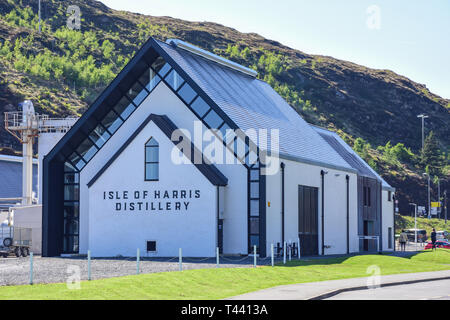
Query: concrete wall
{"points": [[30, 217], [335, 205]]}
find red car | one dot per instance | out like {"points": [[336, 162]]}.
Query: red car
{"points": [[439, 244]]}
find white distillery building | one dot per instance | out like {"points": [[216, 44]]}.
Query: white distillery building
{"points": [[142, 169]]}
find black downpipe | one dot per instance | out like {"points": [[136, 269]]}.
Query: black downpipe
{"points": [[282, 202], [322, 173], [393, 227], [348, 213]]}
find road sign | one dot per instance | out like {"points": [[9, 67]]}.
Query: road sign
{"points": [[435, 204]]}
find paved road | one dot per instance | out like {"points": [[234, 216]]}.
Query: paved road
{"points": [[433, 290]]}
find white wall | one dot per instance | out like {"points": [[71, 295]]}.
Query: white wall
{"points": [[121, 232], [387, 219], [162, 101], [335, 205]]}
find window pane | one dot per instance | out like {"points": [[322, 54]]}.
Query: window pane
{"points": [[71, 192], [77, 161], [71, 226], [254, 189], [71, 210], [161, 66], [99, 135], [174, 80], [87, 149], [213, 119], [200, 107], [151, 154], [254, 208], [111, 122], [187, 93], [254, 225], [137, 93], [152, 143], [254, 241], [124, 107], [151, 171], [149, 79], [68, 167], [71, 178], [254, 175]]}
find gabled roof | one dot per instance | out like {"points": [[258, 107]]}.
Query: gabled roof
{"points": [[168, 127], [252, 104], [349, 155]]}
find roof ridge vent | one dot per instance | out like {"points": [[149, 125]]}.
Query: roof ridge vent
{"points": [[211, 56]]}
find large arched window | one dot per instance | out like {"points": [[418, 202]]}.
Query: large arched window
{"points": [[152, 160]]}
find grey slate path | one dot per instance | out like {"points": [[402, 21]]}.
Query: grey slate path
{"points": [[306, 291]]}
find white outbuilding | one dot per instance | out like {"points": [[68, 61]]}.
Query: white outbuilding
{"points": [[185, 149]]}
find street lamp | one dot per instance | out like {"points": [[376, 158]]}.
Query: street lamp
{"points": [[415, 222], [423, 128], [429, 200]]}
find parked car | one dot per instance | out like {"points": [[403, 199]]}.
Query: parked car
{"points": [[439, 244], [421, 235], [441, 235]]}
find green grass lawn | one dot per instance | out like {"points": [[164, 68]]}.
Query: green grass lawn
{"points": [[222, 283]]}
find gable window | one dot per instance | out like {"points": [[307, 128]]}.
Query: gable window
{"points": [[152, 160]]}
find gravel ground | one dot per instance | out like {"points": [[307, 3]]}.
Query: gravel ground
{"points": [[16, 271]]}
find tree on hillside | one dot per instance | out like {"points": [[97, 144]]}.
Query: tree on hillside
{"points": [[432, 156]]}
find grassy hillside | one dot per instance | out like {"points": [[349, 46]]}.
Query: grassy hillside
{"points": [[406, 222], [64, 70]]}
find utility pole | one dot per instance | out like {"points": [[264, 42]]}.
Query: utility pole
{"points": [[439, 199], [423, 129], [445, 203], [429, 196], [415, 222]]}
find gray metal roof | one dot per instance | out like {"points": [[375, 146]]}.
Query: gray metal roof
{"points": [[349, 155], [11, 177], [253, 104]]}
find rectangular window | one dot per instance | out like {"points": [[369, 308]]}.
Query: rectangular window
{"points": [[137, 93], [77, 161], [161, 67], [187, 93], [99, 135], [149, 79], [200, 107], [213, 120], [124, 108], [368, 197], [152, 160], [174, 80], [390, 238], [254, 226], [87, 150], [254, 208], [389, 196], [112, 122]]}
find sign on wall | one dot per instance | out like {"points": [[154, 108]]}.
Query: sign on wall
{"points": [[151, 201]]}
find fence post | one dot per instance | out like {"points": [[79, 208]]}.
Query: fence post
{"points": [[298, 242], [254, 256], [180, 259], [138, 258], [284, 252], [89, 265], [271, 252], [217, 257], [290, 250], [31, 268]]}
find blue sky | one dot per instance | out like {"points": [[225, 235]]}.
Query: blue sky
{"points": [[410, 37]]}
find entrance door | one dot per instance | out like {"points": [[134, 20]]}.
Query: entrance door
{"points": [[308, 216]]}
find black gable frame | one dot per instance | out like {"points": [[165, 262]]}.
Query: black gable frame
{"points": [[63, 149]]}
